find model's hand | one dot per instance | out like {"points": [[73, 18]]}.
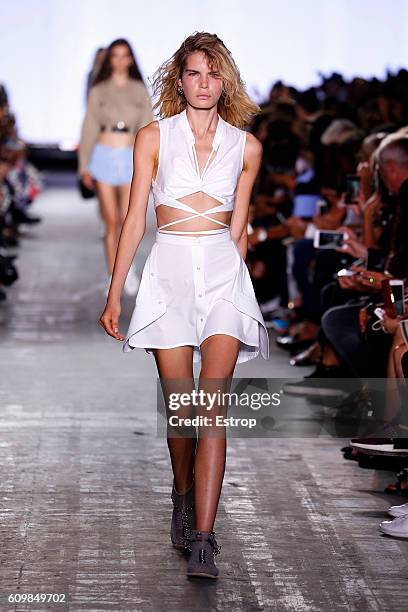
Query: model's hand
{"points": [[109, 320], [88, 181]]}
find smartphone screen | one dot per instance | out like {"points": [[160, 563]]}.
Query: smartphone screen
{"points": [[352, 188], [376, 259], [397, 296], [328, 239]]}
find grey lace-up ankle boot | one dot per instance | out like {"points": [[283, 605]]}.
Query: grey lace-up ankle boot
{"points": [[203, 548], [183, 519]]}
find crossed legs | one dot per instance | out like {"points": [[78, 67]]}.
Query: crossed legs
{"points": [[204, 457]]}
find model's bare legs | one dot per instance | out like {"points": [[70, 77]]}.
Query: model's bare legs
{"points": [[175, 367], [107, 196], [219, 355]]}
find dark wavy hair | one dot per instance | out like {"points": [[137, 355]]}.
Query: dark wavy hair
{"points": [[106, 69]]}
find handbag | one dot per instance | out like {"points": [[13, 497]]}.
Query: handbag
{"points": [[84, 191]]}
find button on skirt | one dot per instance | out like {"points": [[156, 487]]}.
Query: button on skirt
{"points": [[191, 288]]}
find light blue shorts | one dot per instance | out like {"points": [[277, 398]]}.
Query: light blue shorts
{"points": [[112, 165]]}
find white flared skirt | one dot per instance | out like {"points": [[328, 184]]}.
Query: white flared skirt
{"points": [[191, 288]]}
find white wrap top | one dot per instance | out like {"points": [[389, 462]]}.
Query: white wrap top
{"points": [[178, 171]]}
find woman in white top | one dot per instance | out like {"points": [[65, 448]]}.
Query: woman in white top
{"points": [[196, 302]]}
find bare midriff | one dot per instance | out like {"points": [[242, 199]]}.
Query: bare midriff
{"points": [[201, 202], [117, 139]]}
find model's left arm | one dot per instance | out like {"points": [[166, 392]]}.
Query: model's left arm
{"points": [[239, 220]]}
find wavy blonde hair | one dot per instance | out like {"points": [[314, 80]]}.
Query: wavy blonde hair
{"points": [[234, 105]]}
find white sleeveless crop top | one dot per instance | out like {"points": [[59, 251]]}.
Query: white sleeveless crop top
{"points": [[178, 171]]}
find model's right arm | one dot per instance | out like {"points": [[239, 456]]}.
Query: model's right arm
{"points": [[134, 225]]}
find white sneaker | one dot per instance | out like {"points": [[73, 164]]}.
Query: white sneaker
{"points": [[380, 449], [398, 510], [132, 283], [397, 528]]}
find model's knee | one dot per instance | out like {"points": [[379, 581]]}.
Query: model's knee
{"points": [[110, 229], [216, 371]]}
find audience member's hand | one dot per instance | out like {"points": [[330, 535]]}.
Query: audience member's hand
{"points": [[364, 172], [332, 219], [358, 269], [372, 280], [296, 227], [353, 247], [352, 283], [372, 203], [358, 207], [390, 325], [350, 234], [364, 281]]}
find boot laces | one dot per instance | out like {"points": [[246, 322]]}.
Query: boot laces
{"points": [[216, 548]]}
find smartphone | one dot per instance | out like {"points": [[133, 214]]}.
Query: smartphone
{"points": [[322, 207], [393, 291], [352, 188], [346, 272], [376, 259], [327, 239], [397, 295], [360, 262]]}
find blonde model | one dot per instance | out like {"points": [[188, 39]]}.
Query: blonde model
{"points": [[196, 302]]}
